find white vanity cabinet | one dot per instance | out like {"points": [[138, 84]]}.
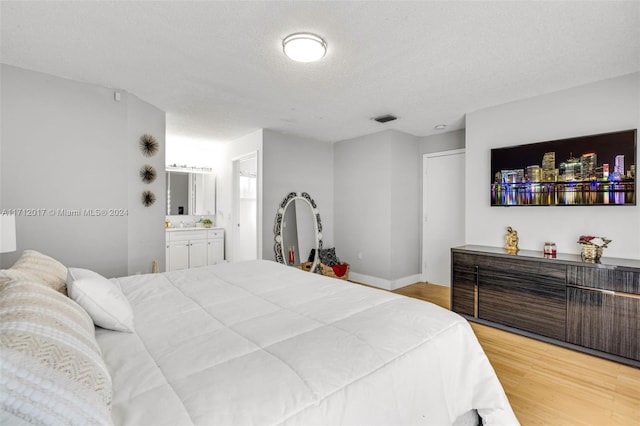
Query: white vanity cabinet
{"points": [[191, 248], [215, 246]]}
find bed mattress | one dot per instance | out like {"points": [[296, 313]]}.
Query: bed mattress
{"points": [[260, 343]]}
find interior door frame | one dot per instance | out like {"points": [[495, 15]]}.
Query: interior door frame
{"points": [[425, 157], [235, 201]]}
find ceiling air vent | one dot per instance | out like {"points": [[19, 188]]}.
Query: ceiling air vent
{"points": [[385, 118]]}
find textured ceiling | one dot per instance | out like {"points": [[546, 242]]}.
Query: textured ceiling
{"points": [[218, 70]]}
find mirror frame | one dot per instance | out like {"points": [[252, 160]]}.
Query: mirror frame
{"points": [[279, 247]]}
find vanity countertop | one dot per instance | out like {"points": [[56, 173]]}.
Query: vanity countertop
{"points": [[191, 228]]}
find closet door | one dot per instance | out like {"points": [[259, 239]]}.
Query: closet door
{"points": [[442, 213]]}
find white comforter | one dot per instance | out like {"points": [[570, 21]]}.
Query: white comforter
{"points": [[259, 343]]}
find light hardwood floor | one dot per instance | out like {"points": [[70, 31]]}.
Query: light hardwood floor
{"points": [[550, 385]]}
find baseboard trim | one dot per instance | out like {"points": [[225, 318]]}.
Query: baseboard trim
{"points": [[423, 279], [405, 281], [382, 283]]}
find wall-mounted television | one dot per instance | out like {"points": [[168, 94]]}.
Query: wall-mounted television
{"points": [[585, 170]]}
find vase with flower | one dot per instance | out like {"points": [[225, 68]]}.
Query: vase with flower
{"points": [[592, 247]]}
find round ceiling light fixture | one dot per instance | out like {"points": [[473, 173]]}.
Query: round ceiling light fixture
{"points": [[440, 127], [304, 47]]}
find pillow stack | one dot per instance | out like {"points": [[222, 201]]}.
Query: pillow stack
{"points": [[50, 364]]}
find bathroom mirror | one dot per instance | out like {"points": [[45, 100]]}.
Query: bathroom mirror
{"points": [[298, 228], [190, 193]]}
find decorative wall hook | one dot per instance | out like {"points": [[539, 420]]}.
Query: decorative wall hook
{"points": [[149, 145], [148, 198], [148, 173]]}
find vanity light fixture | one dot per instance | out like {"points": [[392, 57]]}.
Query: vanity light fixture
{"points": [[304, 47], [440, 127], [184, 168]]}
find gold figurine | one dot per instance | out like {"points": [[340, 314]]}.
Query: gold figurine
{"points": [[511, 241]]}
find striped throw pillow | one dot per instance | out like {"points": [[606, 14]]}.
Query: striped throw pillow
{"points": [[51, 366], [35, 266]]}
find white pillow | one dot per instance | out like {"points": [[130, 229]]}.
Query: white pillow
{"points": [[101, 298]]}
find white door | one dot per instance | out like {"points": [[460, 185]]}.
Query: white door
{"points": [[245, 210], [443, 213], [215, 246], [178, 255], [197, 253], [167, 256], [215, 251]]}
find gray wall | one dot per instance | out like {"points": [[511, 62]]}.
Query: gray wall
{"points": [[405, 206], [604, 106], [377, 210], [146, 235], [69, 145], [296, 164]]}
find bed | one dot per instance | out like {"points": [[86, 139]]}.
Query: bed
{"points": [[260, 343]]}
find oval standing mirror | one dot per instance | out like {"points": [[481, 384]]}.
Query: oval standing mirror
{"points": [[298, 230]]}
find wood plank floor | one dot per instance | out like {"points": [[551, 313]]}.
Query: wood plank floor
{"points": [[550, 385]]}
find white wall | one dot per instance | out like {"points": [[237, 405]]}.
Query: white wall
{"points": [[376, 205], [70, 145], [296, 164], [599, 107], [442, 142], [195, 153]]}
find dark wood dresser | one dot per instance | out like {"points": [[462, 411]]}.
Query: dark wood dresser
{"points": [[591, 307]]}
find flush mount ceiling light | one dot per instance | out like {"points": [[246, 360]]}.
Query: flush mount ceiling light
{"points": [[304, 47], [440, 127]]}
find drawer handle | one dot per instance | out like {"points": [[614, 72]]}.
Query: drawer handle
{"points": [[475, 295], [610, 292]]}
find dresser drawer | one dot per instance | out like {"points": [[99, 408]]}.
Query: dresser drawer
{"points": [[613, 279]]}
